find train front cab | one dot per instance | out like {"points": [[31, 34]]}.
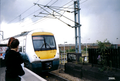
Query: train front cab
{"points": [[46, 66], [45, 48]]}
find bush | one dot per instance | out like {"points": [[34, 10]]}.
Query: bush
{"points": [[102, 57]]}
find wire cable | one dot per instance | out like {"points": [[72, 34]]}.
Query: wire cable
{"points": [[83, 1], [43, 18], [42, 11], [53, 11], [59, 18], [60, 14], [21, 14], [54, 15]]}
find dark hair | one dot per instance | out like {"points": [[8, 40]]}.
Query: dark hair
{"points": [[14, 43], [10, 40]]}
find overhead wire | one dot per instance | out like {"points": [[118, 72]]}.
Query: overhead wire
{"points": [[52, 14], [38, 9], [21, 14], [47, 4], [60, 14], [43, 18], [59, 11], [79, 2], [83, 1], [59, 18], [61, 7], [28, 14], [54, 3], [24, 12], [51, 4], [66, 7], [55, 17]]}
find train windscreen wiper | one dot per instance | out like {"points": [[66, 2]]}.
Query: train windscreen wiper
{"points": [[46, 45]]}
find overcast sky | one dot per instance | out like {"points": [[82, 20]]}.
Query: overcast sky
{"points": [[100, 19]]}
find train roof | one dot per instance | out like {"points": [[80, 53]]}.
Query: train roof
{"points": [[3, 45], [22, 34]]}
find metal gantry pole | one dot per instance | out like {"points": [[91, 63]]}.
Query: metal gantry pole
{"points": [[0, 15], [79, 26], [64, 52], [75, 16]]}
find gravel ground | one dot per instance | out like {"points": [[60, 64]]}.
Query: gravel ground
{"points": [[2, 73], [67, 76]]}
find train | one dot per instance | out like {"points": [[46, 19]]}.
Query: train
{"points": [[38, 50]]}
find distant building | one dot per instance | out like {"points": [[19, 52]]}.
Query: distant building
{"points": [[72, 46], [89, 45], [67, 46]]}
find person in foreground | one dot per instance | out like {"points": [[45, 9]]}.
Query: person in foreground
{"points": [[13, 63], [8, 45]]}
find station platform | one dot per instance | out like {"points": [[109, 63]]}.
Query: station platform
{"points": [[29, 75]]}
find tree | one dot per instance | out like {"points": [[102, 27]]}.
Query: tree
{"points": [[102, 48]]}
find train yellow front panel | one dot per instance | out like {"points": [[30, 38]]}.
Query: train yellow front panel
{"points": [[41, 33], [47, 54]]}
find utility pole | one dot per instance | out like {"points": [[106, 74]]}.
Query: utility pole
{"points": [[0, 22], [77, 25], [75, 16], [0, 14]]}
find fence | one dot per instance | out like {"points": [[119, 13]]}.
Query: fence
{"points": [[63, 58], [112, 55], [69, 57]]}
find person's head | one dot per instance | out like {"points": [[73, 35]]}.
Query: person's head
{"points": [[10, 40], [14, 44]]}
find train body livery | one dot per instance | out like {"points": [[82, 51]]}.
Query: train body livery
{"points": [[39, 50]]}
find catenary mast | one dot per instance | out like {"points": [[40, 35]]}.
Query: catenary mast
{"points": [[77, 25]]}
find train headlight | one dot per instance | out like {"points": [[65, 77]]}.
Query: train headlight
{"points": [[57, 54], [34, 56]]}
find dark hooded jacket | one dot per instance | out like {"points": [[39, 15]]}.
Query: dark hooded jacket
{"points": [[13, 63]]}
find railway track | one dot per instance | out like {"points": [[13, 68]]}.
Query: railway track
{"points": [[52, 77], [58, 75], [49, 76]]}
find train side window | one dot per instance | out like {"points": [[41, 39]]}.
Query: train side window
{"points": [[20, 49], [24, 49], [24, 43]]}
